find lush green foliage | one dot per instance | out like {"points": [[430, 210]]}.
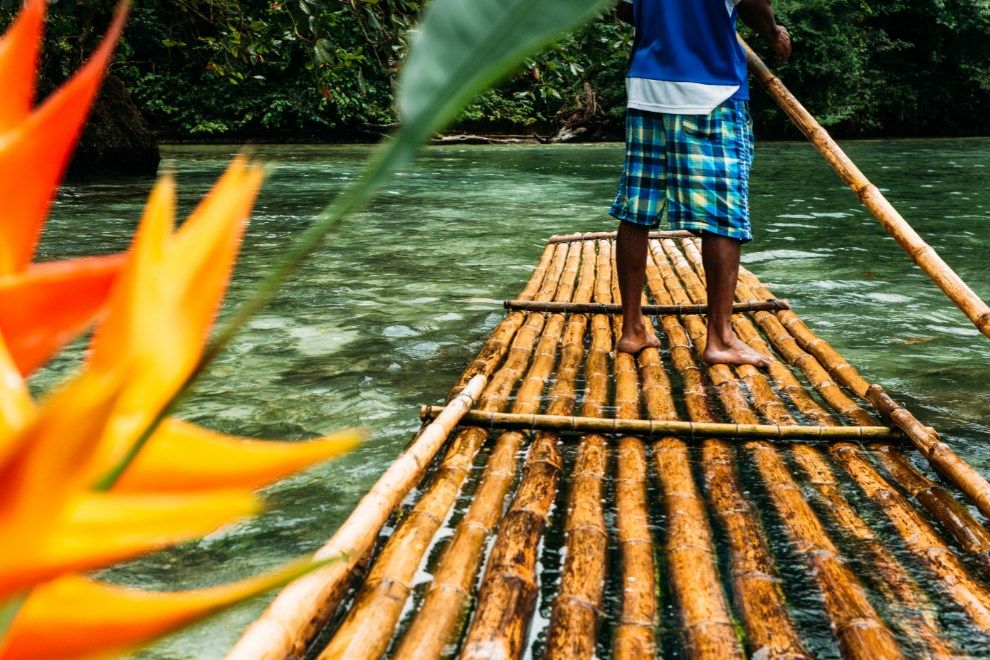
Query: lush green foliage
{"points": [[223, 67]]}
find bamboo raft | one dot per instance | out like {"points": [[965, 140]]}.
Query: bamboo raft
{"points": [[571, 502]]}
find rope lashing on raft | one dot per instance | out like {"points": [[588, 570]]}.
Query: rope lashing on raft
{"points": [[652, 427], [773, 305]]}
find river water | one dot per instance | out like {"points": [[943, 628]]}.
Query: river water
{"points": [[388, 312]]}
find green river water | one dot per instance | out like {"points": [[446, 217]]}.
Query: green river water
{"points": [[386, 315]]}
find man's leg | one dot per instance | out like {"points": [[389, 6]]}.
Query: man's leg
{"points": [[721, 258], [630, 246]]}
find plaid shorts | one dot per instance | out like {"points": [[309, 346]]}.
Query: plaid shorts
{"points": [[693, 167]]}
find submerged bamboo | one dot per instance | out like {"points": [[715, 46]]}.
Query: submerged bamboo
{"points": [[785, 336], [920, 252], [953, 516], [293, 617], [756, 586], [574, 617], [438, 617], [635, 634], [368, 627], [920, 538], [917, 620], [860, 631], [940, 455]]}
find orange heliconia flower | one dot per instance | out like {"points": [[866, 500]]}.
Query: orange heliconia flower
{"points": [[35, 146], [154, 308]]}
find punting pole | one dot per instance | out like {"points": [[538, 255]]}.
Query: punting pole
{"points": [[922, 253], [285, 628]]}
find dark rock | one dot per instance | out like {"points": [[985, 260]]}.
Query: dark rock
{"points": [[116, 140]]}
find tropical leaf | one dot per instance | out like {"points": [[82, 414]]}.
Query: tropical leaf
{"points": [[460, 47]]}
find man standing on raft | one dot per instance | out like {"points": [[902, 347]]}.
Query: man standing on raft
{"points": [[689, 147]]}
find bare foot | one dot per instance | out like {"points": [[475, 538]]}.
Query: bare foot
{"points": [[736, 352], [634, 342]]}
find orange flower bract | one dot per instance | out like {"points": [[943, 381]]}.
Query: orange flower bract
{"points": [[153, 308]]}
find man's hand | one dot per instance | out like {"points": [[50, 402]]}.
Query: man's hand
{"points": [[781, 44], [758, 14]]}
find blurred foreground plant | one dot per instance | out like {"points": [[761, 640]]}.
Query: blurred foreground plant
{"points": [[99, 472], [86, 480]]}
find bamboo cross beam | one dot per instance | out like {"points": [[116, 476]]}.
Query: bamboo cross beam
{"points": [[923, 254], [606, 235], [653, 427], [650, 310]]}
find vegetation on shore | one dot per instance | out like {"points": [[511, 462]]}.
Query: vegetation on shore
{"points": [[326, 68]]}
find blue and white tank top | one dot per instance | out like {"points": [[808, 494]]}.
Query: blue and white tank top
{"points": [[686, 59]]}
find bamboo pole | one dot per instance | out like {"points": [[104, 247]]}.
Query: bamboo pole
{"points": [[920, 252], [368, 627], [653, 428], [288, 623], [547, 272], [920, 538], [635, 634], [782, 341], [437, 620], [574, 617], [507, 595], [939, 455], [607, 235], [756, 586], [860, 631], [917, 619], [954, 517], [648, 310]]}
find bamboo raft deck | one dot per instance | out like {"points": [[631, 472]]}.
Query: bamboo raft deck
{"points": [[609, 505]]}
